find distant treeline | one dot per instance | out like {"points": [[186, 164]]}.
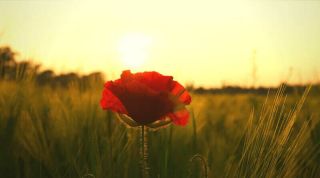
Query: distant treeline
{"points": [[12, 70], [288, 89]]}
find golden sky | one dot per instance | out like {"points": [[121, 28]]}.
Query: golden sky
{"points": [[204, 42]]}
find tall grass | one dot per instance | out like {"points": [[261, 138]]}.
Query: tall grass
{"points": [[276, 144], [47, 132]]}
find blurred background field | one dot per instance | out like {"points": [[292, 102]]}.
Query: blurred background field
{"points": [[52, 126]]}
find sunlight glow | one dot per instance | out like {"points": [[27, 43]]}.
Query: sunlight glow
{"points": [[134, 49], [206, 43]]}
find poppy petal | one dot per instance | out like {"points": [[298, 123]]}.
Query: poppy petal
{"points": [[178, 90], [180, 117], [110, 101], [153, 80], [126, 75], [156, 81]]}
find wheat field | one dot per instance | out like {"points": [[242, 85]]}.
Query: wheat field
{"points": [[63, 132]]}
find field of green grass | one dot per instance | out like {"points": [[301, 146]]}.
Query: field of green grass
{"points": [[63, 132]]}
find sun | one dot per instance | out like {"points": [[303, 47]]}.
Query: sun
{"points": [[134, 49]]}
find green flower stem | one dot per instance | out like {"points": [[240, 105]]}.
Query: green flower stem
{"points": [[144, 151]]}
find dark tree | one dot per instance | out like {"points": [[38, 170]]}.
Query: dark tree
{"points": [[7, 60], [45, 77]]}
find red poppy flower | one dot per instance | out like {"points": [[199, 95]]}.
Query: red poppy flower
{"points": [[147, 97]]}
